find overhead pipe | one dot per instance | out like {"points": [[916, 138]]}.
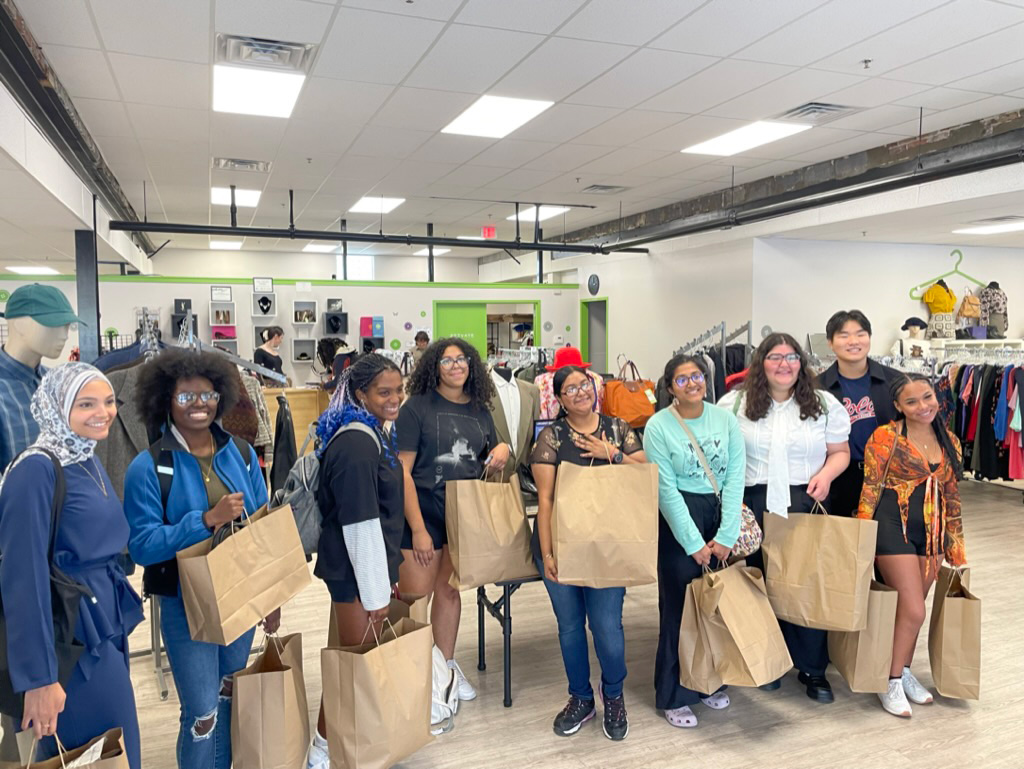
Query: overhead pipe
{"points": [[430, 254]]}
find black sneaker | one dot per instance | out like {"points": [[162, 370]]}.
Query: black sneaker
{"points": [[575, 713], [616, 727]]}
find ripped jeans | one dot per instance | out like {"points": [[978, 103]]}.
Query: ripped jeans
{"points": [[202, 675]]}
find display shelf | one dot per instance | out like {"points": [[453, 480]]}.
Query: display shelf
{"points": [[259, 301], [371, 343], [178, 320], [335, 323], [304, 312], [303, 347], [222, 314], [218, 333], [229, 345]]}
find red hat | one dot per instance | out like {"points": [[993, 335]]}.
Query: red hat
{"points": [[567, 356]]}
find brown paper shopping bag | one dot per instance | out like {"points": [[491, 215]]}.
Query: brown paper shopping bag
{"points": [[863, 657], [107, 752], [415, 607], [818, 569], [377, 697], [269, 711], [744, 636], [230, 588], [604, 526], [488, 532], [696, 664], [954, 636]]}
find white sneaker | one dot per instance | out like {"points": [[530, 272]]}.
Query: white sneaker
{"points": [[914, 690], [895, 700], [466, 690], [318, 757]]}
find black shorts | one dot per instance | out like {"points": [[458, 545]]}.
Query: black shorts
{"points": [[433, 522], [890, 525], [342, 590]]}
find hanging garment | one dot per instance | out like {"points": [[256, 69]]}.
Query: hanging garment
{"points": [[128, 435], [941, 325], [940, 299], [285, 453], [241, 421], [993, 300], [255, 392]]}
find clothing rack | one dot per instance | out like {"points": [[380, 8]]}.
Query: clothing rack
{"points": [[747, 329], [927, 366], [188, 339], [716, 332]]}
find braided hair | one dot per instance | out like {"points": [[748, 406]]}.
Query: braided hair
{"points": [[345, 408], [941, 433]]}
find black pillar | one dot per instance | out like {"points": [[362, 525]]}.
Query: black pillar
{"points": [[538, 236], [88, 285], [344, 252], [430, 254]]}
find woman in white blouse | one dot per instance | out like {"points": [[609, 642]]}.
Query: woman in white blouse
{"points": [[796, 442]]}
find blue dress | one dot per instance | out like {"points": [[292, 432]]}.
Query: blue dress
{"points": [[93, 532]]}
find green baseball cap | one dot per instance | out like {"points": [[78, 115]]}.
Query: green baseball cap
{"points": [[44, 304]]}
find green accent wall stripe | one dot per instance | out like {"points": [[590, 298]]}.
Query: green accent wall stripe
{"points": [[292, 282]]}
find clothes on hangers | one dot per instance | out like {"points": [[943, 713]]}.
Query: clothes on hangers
{"points": [[514, 407], [254, 389], [940, 298], [993, 307], [285, 453], [987, 418], [127, 354]]}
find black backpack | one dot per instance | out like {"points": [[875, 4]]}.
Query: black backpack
{"points": [[65, 602]]}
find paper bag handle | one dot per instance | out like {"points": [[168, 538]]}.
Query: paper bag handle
{"points": [[60, 751], [818, 508]]}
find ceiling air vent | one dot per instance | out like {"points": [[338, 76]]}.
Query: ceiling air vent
{"points": [[237, 164], [269, 54], [604, 189], [817, 113], [999, 220]]}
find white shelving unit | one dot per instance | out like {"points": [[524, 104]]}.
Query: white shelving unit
{"points": [[304, 312], [952, 346], [305, 347], [231, 345], [257, 311], [223, 314]]}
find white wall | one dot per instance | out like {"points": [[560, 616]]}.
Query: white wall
{"points": [[798, 284]]}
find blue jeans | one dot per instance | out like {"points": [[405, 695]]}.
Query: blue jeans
{"points": [[602, 607], [200, 671]]}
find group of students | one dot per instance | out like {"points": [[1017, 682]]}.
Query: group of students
{"points": [[861, 438]]}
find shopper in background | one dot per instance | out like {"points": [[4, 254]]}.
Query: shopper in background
{"points": [[582, 436], [74, 407], [268, 354], [182, 394], [361, 496], [697, 529], [912, 468], [796, 443], [862, 386], [445, 433], [422, 341]]}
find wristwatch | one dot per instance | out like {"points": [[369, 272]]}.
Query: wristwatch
{"points": [[617, 459]]}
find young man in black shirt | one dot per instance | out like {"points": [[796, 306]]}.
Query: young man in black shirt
{"points": [[862, 386]]}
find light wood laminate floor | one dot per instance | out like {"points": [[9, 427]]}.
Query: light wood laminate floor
{"points": [[760, 729]]}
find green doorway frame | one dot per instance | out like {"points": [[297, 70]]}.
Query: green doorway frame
{"points": [[585, 327], [537, 327]]}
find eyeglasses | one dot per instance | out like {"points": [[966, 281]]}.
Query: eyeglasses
{"points": [[573, 390], [462, 360], [697, 378], [778, 357], [210, 396]]}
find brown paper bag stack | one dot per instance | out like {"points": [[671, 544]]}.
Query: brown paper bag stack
{"points": [[818, 569], [415, 607], [742, 632], [377, 697], [488, 532], [696, 664], [269, 712], [604, 526], [954, 636], [112, 755], [229, 589], [863, 657]]}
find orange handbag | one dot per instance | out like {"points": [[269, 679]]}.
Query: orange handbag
{"points": [[631, 400]]}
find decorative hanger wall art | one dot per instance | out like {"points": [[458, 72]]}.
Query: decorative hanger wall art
{"points": [[917, 292]]}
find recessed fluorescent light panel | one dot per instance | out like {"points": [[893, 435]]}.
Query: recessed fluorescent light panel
{"points": [[991, 229], [496, 117], [221, 196], [374, 204], [437, 252], [252, 91], [546, 212], [320, 248], [748, 137], [33, 270], [226, 245]]}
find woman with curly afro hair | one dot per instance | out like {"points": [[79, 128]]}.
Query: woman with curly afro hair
{"points": [[445, 433], [214, 478]]}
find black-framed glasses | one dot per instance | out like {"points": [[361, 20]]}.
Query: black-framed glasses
{"points": [[697, 378], [573, 390], [462, 360], [778, 357], [185, 398]]}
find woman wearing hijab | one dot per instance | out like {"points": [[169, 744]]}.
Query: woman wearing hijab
{"points": [[74, 407]]}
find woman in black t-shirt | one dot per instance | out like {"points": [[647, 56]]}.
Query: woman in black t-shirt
{"points": [[445, 433], [582, 436], [361, 498], [268, 354]]}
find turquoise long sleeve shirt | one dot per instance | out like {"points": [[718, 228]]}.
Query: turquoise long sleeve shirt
{"points": [[666, 444]]}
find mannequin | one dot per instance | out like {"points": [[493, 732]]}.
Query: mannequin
{"points": [[941, 302], [914, 345], [993, 310]]}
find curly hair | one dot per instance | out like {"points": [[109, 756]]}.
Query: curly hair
{"points": [[758, 391], [159, 376], [427, 374], [941, 433]]}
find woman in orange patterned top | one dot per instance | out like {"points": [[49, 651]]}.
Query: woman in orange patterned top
{"points": [[911, 473]]}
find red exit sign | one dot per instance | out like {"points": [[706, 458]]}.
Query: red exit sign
{"points": [[488, 232]]}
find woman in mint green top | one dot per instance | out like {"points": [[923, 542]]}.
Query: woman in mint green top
{"points": [[697, 527]]}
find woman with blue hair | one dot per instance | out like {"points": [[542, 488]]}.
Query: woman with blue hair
{"points": [[361, 496]]}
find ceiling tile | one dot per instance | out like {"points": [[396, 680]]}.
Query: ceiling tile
{"points": [[122, 155], [245, 136], [993, 105], [564, 122], [688, 132], [676, 164], [178, 30], [874, 92], [828, 150], [492, 53], [306, 181], [614, 21], [412, 175], [722, 27], [621, 161], [526, 178], [831, 28], [474, 175], [425, 109], [293, 21], [512, 153], [152, 122], [385, 141], [307, 139], [942, 98], [441, 10], [542, 16], [162, 82], [566, 157], [628, 128], [57, 22], [878, 118], [358, 168], [330, 101], [448, 148], [806, 141], [559, 67], [779, 96], [104, 118], [641, 76], [1001, 80], [374, 47], [714, 85], [83, 72]]}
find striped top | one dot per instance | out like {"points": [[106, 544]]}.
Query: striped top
{"points": [[18, 429]]}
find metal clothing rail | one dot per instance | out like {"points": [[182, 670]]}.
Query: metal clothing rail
{"points": [[748, 330], [715, 332], [187, 338]]}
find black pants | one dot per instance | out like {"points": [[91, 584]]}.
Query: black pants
{"points": [[844, 496], [676, 570], [807, 646]]}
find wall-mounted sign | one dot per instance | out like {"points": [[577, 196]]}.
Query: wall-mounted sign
{"points": [[220, 293], [263, 285]]}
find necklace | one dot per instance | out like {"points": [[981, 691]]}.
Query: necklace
{"points": [[207, 470], [97, 479]]}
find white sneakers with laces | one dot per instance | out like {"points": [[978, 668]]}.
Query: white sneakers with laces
{"points": [[895, 700], [914, 689], [466, 690]]}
